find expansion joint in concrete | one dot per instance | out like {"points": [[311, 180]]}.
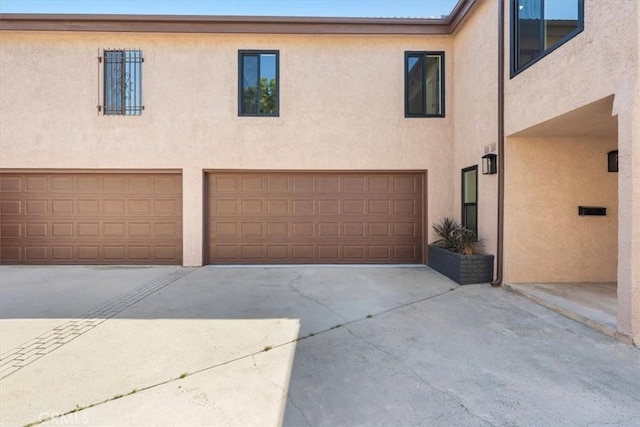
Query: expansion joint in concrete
{"points": [[17, 358]]}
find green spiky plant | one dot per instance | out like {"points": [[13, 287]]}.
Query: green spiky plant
{"points": [[454, 237]]}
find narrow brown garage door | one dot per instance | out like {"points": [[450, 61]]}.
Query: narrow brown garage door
{"points": [[280, 217], [91, 218]]}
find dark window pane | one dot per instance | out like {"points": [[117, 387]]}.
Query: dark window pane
{"points": [[433, 86], [560, 19], [470, 220], [529, 31], [541, 25], [249, 100], [415, 85], [258, 77], [470, 198], [268, 84]]}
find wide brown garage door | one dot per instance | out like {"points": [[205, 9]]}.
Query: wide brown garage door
{"points": [[279, 217], [91, 218]]}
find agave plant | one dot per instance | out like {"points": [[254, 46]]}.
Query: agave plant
{"points": [[467, 242], [455, 237], [445, 229]]}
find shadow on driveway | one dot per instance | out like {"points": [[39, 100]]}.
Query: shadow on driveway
{"points": [[299, 346]]}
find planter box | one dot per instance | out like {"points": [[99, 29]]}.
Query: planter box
{"points": [[462, 269]]}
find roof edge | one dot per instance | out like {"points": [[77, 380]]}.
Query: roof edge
{"points": [[235, 24]]}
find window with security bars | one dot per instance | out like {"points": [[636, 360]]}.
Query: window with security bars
{"points": [[123, 82]]}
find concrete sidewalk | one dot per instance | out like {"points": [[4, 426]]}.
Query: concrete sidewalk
{"points": [[297, 346]]}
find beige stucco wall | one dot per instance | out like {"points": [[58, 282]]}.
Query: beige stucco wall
{"points": [[627, 107], [547, 240], [597, 63], [587, 68], [341, 107], [475, 114]]}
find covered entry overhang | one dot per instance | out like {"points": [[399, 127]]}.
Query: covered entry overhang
{"points": [[554, 168]]}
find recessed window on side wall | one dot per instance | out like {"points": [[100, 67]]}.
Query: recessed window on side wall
{"points": [[258, 82], [540, 26], [470, 198], [424, 84], [123, 82]]}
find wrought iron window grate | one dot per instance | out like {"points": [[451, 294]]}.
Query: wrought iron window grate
{"points": [[123, 82]]}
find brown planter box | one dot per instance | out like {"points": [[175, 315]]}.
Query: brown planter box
{"points": [[462, 269]]}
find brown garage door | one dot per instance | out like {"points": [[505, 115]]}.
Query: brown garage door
{"points": [[91, 218], [280, 217]]}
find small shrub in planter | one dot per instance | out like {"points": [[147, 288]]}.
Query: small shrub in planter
{"points": [[456, 254]]}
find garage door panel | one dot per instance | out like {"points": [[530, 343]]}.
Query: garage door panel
{"points": [[302, 230], [277, 207], [278, 183], [10, 184], [356, 184], [91, 218], [283, 217]]}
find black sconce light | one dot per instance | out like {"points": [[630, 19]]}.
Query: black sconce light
{"points": [[612, 161], [489, 164]]}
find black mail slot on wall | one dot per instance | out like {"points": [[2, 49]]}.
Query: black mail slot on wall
{"points": [[592, 210]]}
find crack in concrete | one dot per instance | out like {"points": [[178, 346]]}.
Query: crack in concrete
{"points": [[284, 392], [307, 297], [420, 378], [252, 355]]}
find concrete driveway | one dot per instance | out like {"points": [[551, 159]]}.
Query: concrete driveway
{"points": [[265, 346]]}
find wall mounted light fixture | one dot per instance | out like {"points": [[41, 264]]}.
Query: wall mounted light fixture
{"points": [[489, 164], [612, 161]]}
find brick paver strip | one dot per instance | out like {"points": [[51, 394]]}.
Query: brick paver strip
{"points": [[13, 360]]}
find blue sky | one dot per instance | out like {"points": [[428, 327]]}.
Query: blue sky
{"points": [[349, 8]]}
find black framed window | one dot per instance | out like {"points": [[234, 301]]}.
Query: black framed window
{"points": [[123, 82], [258, 83], [424, 84], [540, 26], [470, 198]]}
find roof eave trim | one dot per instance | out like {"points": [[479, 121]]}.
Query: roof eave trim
{"points": [[235, 24]]}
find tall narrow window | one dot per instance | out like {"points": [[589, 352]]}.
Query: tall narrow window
{"points": [[123, 82], [539, 26], [470, 198], [258, 83], [424, 84]]}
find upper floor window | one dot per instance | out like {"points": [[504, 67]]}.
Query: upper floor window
{"points": [[258, 83], [539, 26], [123, 82], [424, 84]]}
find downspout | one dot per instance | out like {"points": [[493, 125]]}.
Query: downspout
{"points": [[500, 234]]}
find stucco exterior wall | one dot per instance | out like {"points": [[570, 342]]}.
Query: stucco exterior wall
{"points": [[597, 63], [587, 68], [627, 107], [475, 114], [547, 240], [341, 107]]}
